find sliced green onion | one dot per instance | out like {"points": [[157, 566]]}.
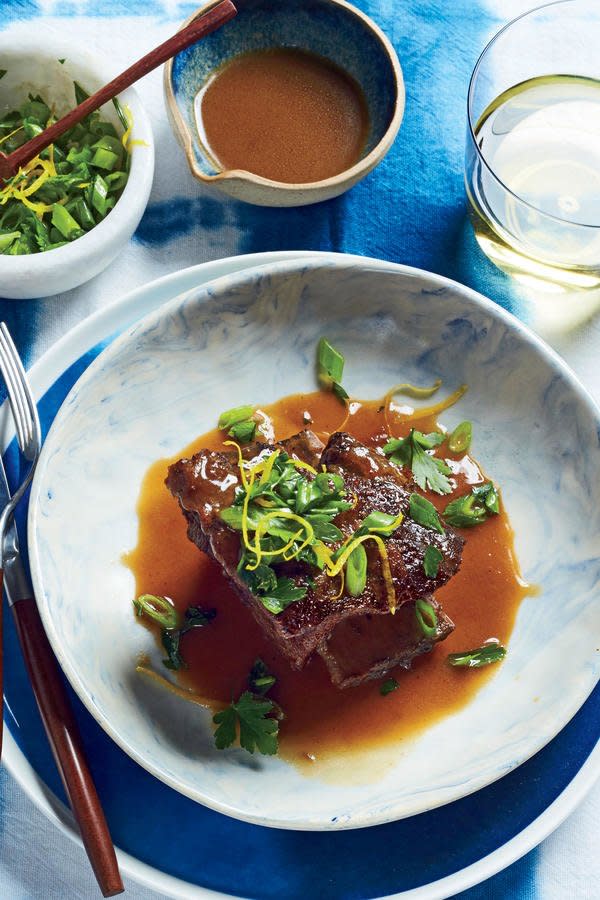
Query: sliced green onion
{"points": [[330, 368], [159, 609], [460, 439], [234, 416], [489, 494], [474, 508], [481, 656], [356, 571], [330, 362], [426, 617], [65, 223], [99, 191], [260, 680], [105, 159], [83, 214], [7, 239]]}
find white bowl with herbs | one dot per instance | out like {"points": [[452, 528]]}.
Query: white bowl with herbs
{"points": [[66, 214]]}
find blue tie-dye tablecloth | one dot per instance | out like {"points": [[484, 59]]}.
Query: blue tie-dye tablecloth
{"points": [[410, 210]]}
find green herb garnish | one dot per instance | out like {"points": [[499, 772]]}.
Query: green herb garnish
{"points": [[330, 369], [194, 617], [279, 598], [460, 439], [356, 571], [238, 423], [481, 656], [474, 508], [422, 511], [380, 523], [426, 617], [60, 194], [159, 609], [284, 513], [428, 471], [388, 686], [258, 730], [260, 680], [431, 561]]}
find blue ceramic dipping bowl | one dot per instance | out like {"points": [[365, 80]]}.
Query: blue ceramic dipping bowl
{"points": [[329, 28]]}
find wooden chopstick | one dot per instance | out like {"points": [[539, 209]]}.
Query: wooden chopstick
{"points": [[63, 734], [209, 21]]}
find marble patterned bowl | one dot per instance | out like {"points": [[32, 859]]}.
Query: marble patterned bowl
{"points": [[330, 28], [251, 337]]}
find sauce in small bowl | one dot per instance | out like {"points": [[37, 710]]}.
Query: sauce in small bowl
{"points": [[283, 113], [289, 104]]}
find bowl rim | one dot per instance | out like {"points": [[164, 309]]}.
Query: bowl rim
{"points": [[139, 181], [362, 167], [220, 284]]}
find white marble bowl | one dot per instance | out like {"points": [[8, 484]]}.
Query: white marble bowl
{"points": [[32, 65], [251, 337]]}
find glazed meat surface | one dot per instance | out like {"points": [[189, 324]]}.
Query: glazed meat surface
{"points": [[356, 636]]}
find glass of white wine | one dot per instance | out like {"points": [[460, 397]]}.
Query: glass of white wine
{"points": [[532, 168]]}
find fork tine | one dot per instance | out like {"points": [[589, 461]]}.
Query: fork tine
{"points": [[14, 390], [30, 432]]}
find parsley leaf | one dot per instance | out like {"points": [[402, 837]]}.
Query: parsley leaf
{"points": [[257, 730], [388, 686], [431, 561], [279, 598], [195, 617], [422, 511], [243, 432], [429, 472]]}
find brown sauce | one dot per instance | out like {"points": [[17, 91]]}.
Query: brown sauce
{"points": [[285, 114], [322, 721]]}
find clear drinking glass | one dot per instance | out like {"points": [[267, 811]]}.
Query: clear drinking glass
{"points": [[532, 167]]}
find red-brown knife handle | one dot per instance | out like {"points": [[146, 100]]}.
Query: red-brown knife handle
{"points": [[63, 735]]}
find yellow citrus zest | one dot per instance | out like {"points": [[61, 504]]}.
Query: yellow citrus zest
{"points": [[324, 554], [240, 461], [267, 467], [342, 586], [300, 464], [143, 666]]}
